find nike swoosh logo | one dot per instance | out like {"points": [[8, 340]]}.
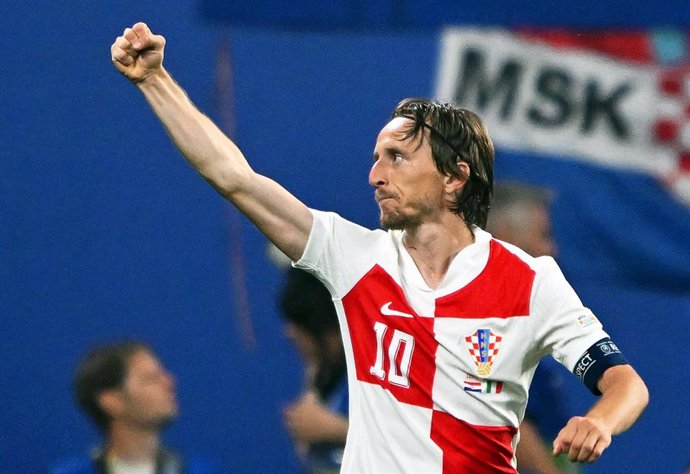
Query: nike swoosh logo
{"points": [[387, 311]]}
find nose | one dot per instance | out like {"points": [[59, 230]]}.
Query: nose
{"points": [[376, 175]]}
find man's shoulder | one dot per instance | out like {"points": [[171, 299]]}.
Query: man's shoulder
{"points": [[329, 226]]}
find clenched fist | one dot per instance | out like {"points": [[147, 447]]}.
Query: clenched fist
{"points": [[583, 439], [138, 53]]}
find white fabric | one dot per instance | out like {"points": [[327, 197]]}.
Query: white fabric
{"points": [[388, 434]]}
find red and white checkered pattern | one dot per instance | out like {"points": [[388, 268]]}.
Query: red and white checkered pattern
{"points": [[672, 127], [473, 346]]}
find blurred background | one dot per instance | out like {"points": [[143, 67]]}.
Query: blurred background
{"points": [[106, 233]]}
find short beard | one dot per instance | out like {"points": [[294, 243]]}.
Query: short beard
{"points": [[395, 221], [398, 221]]}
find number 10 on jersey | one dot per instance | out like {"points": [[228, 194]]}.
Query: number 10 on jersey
{"points": [[399, 356]]}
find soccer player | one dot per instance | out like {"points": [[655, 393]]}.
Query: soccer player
{"points": [[443, 326]]}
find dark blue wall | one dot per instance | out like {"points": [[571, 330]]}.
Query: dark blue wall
{"points": [[106, 233]]}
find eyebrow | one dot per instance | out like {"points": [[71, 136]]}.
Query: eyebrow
{"points": [[393, 150]]}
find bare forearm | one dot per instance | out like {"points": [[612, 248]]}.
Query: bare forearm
{"points": [[624, 397], [334, 428], [310, 421], [202, 143], [138, 55]]}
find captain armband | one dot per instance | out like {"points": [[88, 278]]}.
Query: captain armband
{"points": [[602, 355]]}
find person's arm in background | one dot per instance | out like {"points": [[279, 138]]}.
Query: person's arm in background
{"points": [[138, 55], [308, 420], [532, 454], [624, 397]]}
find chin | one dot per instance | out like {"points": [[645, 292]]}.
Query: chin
{"points": [[396, 222], [167, 419]]}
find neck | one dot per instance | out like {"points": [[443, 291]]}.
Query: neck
{"points": [[133, 444], [434, 245]]}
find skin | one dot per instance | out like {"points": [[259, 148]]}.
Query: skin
{"points": [[307, 419], [528, 228], [409, 188], [413, 196], [140, 409], [410, 195]]}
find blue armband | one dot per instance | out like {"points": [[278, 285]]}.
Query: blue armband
{"points": [[594, 362]]}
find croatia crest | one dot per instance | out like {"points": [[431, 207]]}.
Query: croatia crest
{"points": [[483, 346]]}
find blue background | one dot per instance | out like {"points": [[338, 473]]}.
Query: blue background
{"points": [[105, 232]]}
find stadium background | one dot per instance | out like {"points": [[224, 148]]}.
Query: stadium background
{"points": [[106, 233]]}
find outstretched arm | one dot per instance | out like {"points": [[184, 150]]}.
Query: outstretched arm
{"points": [[138, 55], [624, 397]]}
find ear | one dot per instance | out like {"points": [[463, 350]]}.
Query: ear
{"points": [[111, 402], [454, 184]]}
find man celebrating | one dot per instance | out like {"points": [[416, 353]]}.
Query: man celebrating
{"points": [[443, 325]]}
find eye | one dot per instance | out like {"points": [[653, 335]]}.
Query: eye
{"points": [[397, 157]]}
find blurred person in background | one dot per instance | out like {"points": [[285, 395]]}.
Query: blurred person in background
{"points": [[317, 420], [128, 394], [520, 215], [443, 326]]}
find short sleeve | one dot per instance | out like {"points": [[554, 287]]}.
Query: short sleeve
{"points": [[338, 251], [564, 327]]}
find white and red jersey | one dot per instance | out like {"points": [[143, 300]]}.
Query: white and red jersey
{"points": [[439, 378]]}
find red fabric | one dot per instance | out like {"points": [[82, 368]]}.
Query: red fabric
{"points": [[473, 449], [363, 309], [630, 45], [502, 290]]}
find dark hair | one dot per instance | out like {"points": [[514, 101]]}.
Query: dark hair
{"points": [[509, 193], [456, 135], [305, 302], [103, 368]]}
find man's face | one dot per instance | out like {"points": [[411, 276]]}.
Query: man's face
{"points": [[147, 398], [540, 240], [531, 231], [306, 344], [409, 187]]}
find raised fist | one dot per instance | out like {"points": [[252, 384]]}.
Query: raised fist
{"points": [[138, 53]]}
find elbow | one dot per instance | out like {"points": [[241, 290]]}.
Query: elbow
{"points": [[639, 395], [226, 179], [639, 390], [229, 182]]}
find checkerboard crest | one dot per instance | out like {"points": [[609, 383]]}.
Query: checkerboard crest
{"points": [[483, 346]]}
